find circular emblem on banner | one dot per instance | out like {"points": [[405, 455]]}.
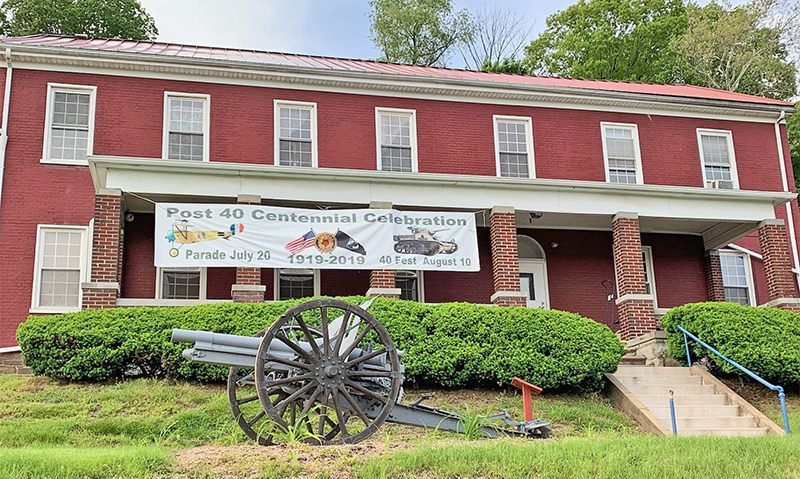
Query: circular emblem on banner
{"points": [[326, 242]]}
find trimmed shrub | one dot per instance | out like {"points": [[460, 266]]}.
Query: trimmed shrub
{"points": [[448, 345], [764, 340]]}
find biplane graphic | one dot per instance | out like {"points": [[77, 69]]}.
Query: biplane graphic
{"points": [[182, 233]]}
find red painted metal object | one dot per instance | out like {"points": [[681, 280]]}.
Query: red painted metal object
{"points": [[528, 390]]}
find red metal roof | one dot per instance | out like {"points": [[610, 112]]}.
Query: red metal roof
{"points": [[372, 66]]}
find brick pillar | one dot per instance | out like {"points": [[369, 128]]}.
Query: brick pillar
{"points": [[716, 289], [382, 281], [505, 257], [781, 287], [248, 287], [103, 288], [634, 307]]}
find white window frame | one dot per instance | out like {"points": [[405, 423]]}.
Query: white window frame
{"points": [[647, 251], [52, 89], [636, 149], [37, 270], [420, 284], [528, 121], [412, 114], [203, 283], [748, 268], [206, 122], [276, 289], [727, 134], [277, 129]]}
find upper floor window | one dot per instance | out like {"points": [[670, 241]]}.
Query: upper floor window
{"points": [[718, 159], [295, 133], [410, 285], [737, 278], [181, 283], [186, 126], [69, 123], [296, 283], [513, 146], [60, 267], [621, 153], [396, 136]]}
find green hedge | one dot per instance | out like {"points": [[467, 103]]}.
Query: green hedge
{"points": [[448, 345], [764, 340]]}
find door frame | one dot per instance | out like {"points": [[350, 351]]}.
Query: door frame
{"points": [[543, 262]]}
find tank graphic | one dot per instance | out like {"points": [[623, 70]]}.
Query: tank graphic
{"points": [[423, 241]]}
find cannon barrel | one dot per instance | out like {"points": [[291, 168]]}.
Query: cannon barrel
{"points": [[240, 351]]}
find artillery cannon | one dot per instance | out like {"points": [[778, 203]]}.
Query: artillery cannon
{"points": [[326, 367], [423, 241]]}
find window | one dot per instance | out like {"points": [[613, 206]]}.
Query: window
{"points": [[295, 134], [513, 145], [186, 126], [717, 158], [60, 268], [396, 136], [621, 153], [292, 283], [737, 278], [410, 285], [69, 124], [649, 274], [181, 283]]}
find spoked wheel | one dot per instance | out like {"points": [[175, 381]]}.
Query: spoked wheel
{"points": [[347, 380], [246, 407]]}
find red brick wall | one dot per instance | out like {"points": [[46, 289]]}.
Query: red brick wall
{"points": [[679, 266], [476, 287], [342, 282], [777, 261]]}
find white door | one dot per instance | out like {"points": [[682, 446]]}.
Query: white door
{"points": [[533, 282]]}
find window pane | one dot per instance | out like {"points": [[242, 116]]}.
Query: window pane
{"points": [[185, 146], [395, 130], [621, 153], [407, 281], [186, 115], [715, 150], [68, 143], [722, 173], [296, 283], [648, 275], [737, 295], [180, 284], [59, 288], [71, 109], [511, 137], [295, 123], [395, 159], [514, 165], [295, 153], [734, 278]]}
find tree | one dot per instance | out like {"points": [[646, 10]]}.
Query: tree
{"points": [[418, 32], [506, 65], [498, 39], [95, 18], [610, 39]]}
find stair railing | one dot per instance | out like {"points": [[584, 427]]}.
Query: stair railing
{"points": [[781, 395]]}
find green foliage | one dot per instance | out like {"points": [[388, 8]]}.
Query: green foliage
{"points": [[96, 18], [450, 345], [793, 127], [507, 65], [610, 39], [418, 32], [764, 340]]}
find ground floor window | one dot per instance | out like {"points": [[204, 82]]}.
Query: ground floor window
{"points": [[737, 278], [296, 283], [181, 283], [649, 275], [410, 285], [60, 267]]}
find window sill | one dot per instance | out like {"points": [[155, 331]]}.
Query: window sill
{"points": [[49, 161], [39, 310]]}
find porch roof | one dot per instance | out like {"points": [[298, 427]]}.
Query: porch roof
{"points": [[719, 215]]}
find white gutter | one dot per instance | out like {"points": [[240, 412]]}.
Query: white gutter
{"points": [[4, 127], [785, 183]]}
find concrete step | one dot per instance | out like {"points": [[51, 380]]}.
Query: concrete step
{"points": [[658, 380], [678, 389], [631, 360], [749, 431], [624, 371], [697, 411], [662, 400], [729, 422]]}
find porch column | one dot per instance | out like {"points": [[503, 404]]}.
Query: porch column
{"points": [[102, 290], [716, 289], [382, 281], [781, 287], [248, 287], [634, 305], [505, 257]]}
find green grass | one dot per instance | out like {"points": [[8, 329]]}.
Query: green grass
{"points": [[611, 457], [79, 463]]}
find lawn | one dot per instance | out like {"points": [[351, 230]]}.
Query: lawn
{"points": [[164, 429]]}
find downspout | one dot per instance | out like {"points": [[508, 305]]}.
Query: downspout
{"points": [[785, 182], [4, 127]]}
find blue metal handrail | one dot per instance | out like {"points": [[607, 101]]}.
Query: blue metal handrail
{"points": [[779, 389]]}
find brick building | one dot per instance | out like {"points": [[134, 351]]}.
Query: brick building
{"points": [[613, 200]]}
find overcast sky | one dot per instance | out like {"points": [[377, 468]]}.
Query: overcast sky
{"points": [[323, 27]]}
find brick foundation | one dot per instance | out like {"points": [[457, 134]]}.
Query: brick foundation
{"points": [[382, 283], [634, 306], [505, 257], [11, 363], [107, 249], [248, 287], [716, 289]]}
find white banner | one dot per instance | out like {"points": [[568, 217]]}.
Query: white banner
{"points": [[189, 234]]}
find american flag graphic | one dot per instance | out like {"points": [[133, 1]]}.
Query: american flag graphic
{"points": [[297, 245]]}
